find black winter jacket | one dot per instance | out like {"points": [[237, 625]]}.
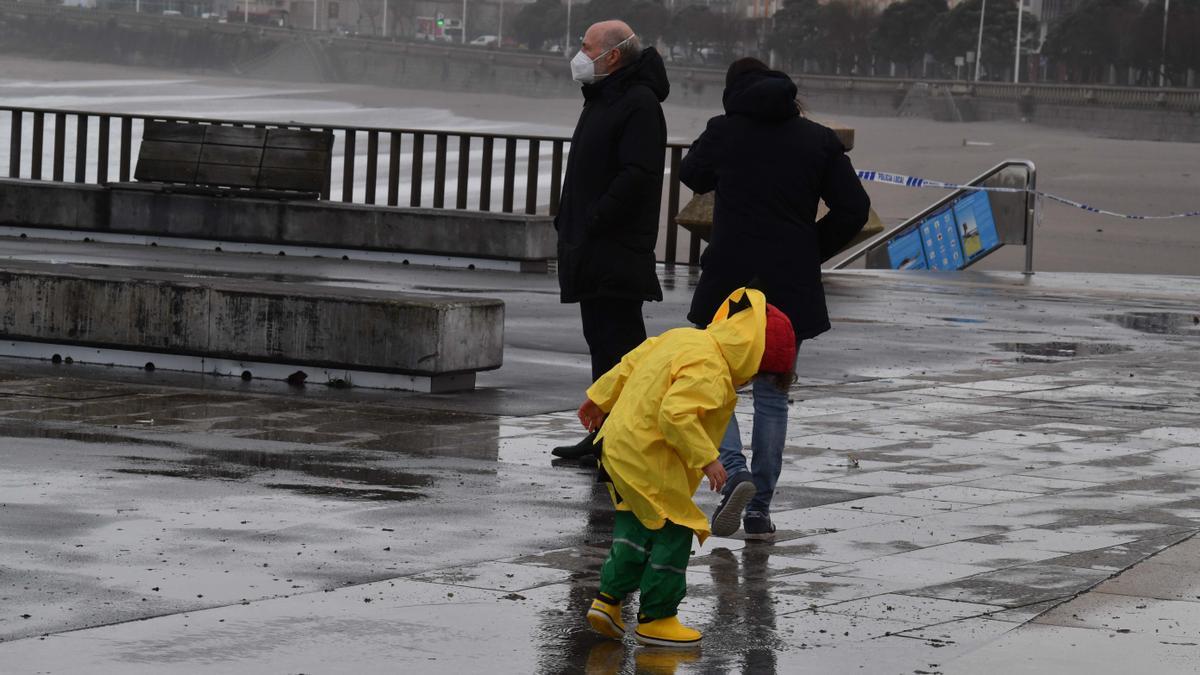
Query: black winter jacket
{"points": [[607, 218], [770, 166]]}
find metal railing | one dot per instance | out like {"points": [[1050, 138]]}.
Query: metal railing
{"points": [[1002, 175], [431, 168]]}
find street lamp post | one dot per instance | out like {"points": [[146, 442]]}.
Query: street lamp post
{"points": [[385, 18], [1017, 59], [464, 23], [500, 30], [246, 15], [567, 35], [979, 44], [1162, 68]]}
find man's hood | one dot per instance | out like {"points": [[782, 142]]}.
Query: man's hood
{"points": [[767, 95], [739, 329], [647, 69]]}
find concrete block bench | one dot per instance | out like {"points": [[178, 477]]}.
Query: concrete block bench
{"points": [[248, 327], [159, 213]]}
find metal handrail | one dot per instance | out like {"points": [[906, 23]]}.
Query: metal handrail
{"points": [[382, 143], [1032, 213]]}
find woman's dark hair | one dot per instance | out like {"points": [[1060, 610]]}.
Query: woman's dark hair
{"points": [[782, 381], [742, 66]]}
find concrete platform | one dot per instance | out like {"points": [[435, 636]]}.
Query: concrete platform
{"points": [[1017, 441]]}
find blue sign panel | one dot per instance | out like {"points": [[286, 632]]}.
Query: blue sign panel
{"points": [[940, 237], [976, 226], [906, 252], [950, 239]]}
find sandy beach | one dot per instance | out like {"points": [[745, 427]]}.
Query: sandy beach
{"points": [[1134, 177]]}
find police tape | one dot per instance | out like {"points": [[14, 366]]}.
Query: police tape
{"points": [[917, 182]]}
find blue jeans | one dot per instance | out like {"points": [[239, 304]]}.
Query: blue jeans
{"points": [[767, 439]]}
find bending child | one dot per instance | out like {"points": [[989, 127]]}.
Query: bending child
{"points": [[667, 404]]}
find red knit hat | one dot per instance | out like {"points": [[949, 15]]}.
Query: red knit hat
{"points": [[779, 352]]}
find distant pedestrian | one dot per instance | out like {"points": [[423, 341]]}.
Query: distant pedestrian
{"points": [[608, 216], [770, 166], [664, 408]]}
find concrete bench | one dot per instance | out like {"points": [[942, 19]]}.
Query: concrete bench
{"points": [[502, 241], [248, 327]]}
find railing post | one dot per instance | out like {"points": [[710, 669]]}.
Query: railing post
{"points": [[394, 141], [126, 147], [372, 164], [348, 158], [531, 176], [39, 140], [439, 172], [464, 170], [14, 143], [673, 207], [556, 160], [485, 174], [1031, 219], [81, 140], [510, 173], [102, 143], [60, 141], [418, 165]]}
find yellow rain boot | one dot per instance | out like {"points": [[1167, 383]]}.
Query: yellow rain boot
{"points": [[605, 619], [667, 632]]}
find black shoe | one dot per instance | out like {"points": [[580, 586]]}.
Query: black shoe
{"points": [[738, 493], [758, 525], [581, 450]]}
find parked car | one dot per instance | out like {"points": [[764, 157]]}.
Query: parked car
{"points": [[486, 41]]}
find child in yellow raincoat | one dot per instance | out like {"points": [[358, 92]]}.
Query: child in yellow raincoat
{"points": [[664, 410]]}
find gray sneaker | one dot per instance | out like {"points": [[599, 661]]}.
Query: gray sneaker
{"points": [[738, 493]]}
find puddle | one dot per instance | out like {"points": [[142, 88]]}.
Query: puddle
{"points": [[359, 481], [368, 494], [955, 319], [486, 291], [1158, 323], [13, 429], [1048, 351]]}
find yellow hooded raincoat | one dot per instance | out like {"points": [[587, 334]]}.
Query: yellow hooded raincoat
{"points": [[668, 403]]}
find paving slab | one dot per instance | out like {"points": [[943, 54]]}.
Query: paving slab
{"points": [[937, 496]]}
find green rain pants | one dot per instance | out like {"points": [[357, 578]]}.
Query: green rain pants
{"points": [[654, 561]]}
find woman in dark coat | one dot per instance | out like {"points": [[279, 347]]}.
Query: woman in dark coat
{"points": [[770, 166]]}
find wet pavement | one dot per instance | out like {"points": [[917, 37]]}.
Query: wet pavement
{"points": [[967, 453]]}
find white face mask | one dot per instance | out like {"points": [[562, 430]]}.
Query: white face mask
{"points": [[583, 69]]}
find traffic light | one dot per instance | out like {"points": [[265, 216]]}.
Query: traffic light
{"points": [[441, 20]]}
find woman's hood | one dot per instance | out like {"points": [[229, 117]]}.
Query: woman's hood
{"points": [[767, 95]]}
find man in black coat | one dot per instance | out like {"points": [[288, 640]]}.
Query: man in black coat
{"points": [[608, 216], [770, 166]]}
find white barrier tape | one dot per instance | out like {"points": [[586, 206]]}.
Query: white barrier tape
{"points": [[914, 181]]}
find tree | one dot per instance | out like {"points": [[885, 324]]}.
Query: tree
{"points": [[846, 27], [1093, 37], [540, 22], [797, 33], [650, 19], [903, 33], [1183, 47], [836, 37], [694, 26], [956, 32]]}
